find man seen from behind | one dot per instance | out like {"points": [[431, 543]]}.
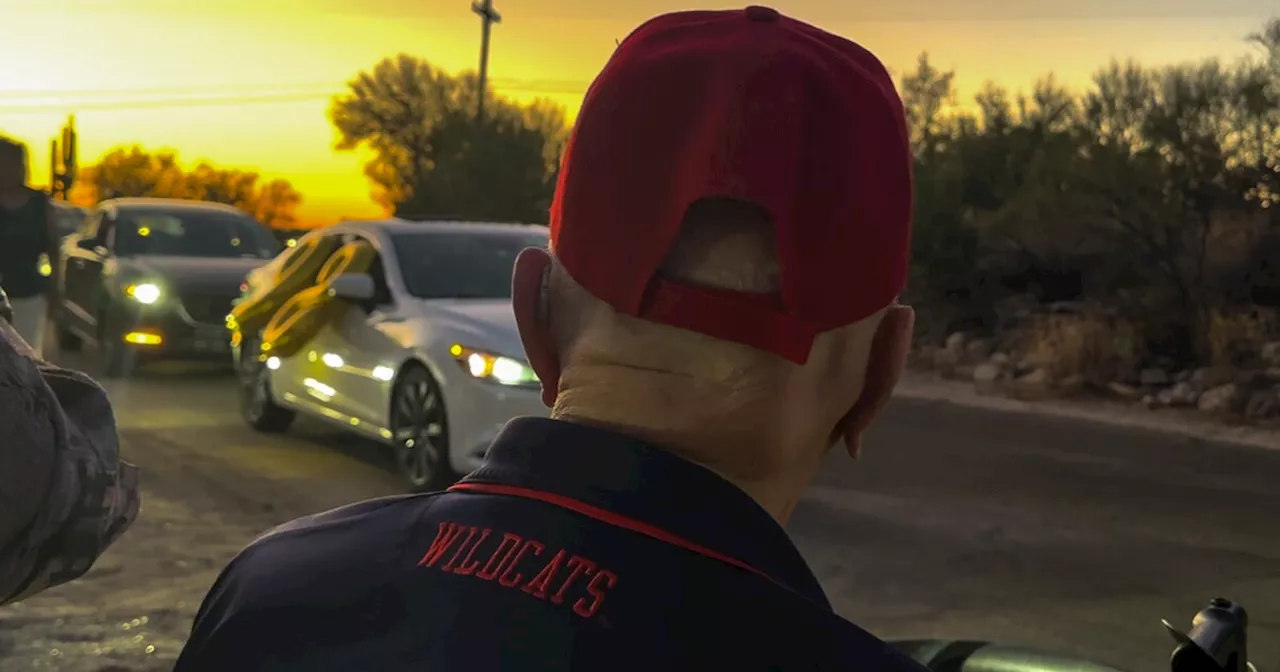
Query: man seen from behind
{"points": [[716, 313]]}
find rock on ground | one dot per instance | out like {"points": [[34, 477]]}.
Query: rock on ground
{"points": [[1219, 399]]}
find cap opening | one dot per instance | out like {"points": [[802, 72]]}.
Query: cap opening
{"points": [[756, 320], [721, 278]]}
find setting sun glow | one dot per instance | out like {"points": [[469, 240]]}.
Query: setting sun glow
{"points": [[246, 83]]}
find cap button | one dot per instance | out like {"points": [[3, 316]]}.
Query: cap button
{"points": [[762, 14]]}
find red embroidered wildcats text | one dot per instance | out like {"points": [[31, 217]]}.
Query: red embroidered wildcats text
{"points": [[519, 563]]}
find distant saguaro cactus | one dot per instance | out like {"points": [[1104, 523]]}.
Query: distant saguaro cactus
{"points": [[63, 161], [70, 154]]}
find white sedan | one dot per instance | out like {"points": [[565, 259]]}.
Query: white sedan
{"points": [[424, 355]]}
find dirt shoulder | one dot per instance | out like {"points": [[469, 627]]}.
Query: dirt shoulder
{"points": [[133, 610], [929, 386]]}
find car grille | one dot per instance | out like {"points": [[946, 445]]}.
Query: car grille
{"points": [[209, 309]]}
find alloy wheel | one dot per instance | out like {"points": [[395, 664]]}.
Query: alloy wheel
{"points": [[255, 378], [419, 428], [257, 395]]}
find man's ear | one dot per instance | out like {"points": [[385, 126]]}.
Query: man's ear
{"points": [[889, 352], [530, 286]]}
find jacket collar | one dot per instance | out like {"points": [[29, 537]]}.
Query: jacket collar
{"points": [[635, 480]]}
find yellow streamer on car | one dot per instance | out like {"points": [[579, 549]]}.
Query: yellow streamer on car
{"points": [[298, 272], [301, 317]]}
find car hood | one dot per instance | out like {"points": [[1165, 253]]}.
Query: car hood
{"points": [[483, 324], [203, 272]]}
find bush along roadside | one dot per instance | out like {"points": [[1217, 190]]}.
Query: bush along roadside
{"points": [[1061, 356]]}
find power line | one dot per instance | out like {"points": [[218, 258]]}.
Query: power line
{"points": [[234, 89], [549, 86], [283, 9], [226, 101], [545, 86], [146, 100]]}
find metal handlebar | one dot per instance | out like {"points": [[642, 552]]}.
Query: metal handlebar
{"points": [[1217, 641], [6, 308]]}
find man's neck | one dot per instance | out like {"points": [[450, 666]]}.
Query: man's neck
{"points": [[775, 493]]}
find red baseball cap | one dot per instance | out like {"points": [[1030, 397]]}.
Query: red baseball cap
{"points": [[754, 106]]}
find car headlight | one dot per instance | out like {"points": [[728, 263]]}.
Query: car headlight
{"points": [[494, 368], [145, 293]]}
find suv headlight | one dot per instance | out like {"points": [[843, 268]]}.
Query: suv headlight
{"points": [[494, 368], [146, 293]]}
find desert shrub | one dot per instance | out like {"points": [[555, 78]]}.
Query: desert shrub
{"points": [[1236, 337], [1097, 348]]}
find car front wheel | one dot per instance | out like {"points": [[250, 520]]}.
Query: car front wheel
{"points": [[420, 430], [67, 341], [257, 406], [115, 357]]}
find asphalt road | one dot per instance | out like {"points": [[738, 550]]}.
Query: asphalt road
{"points": [[959, 523]]}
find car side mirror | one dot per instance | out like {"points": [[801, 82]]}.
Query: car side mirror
{"points": [[354, 287]]}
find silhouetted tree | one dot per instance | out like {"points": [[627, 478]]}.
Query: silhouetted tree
{"points": [[1151, 192], [134, 172], [432, 158]]}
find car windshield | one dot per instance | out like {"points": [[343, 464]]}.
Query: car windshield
{"points": [[461, 265], [193, 234]]}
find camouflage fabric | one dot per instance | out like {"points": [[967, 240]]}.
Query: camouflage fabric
{"points": [[65, 496]]}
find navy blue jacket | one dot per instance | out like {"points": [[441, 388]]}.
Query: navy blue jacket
{"points": [[572, 548]]}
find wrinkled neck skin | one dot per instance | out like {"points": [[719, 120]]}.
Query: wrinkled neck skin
{"points": [[700, 423]]}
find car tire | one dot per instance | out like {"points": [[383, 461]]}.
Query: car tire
{"points": [[420, 430], [67, 341], [257, 406], [115, 359]]}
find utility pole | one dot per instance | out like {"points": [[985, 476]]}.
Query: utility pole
{"points": [[488, 17]]}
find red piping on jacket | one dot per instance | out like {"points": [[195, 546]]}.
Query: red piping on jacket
{"points": [[609, 518]]}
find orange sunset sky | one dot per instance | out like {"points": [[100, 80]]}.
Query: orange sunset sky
{"points": [[245, 83]]}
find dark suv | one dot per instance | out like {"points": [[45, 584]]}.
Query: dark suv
{"points": [[149, 278]]}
